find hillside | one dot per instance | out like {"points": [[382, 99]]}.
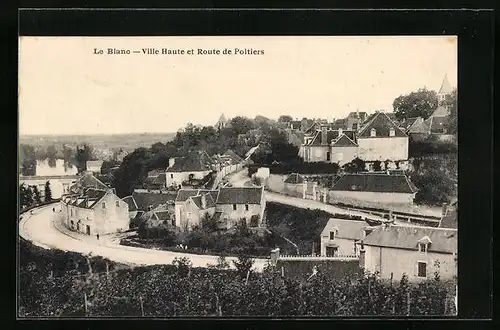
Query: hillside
{"points": [[127, 142]]}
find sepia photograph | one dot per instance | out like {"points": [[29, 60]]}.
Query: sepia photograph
{"points": [[234, 176]]}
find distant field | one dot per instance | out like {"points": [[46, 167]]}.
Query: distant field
{"points": [[127, 142]]}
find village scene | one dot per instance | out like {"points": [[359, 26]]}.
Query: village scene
{"points": [[283, 216]]}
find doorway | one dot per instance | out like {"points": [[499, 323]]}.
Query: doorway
{"points": [[88, 230], [331, 251]]}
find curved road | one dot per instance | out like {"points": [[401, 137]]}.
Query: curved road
{"points": [[40, 229]]}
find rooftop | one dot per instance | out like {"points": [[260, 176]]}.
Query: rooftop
{"points": [[347, 229], [383, 183], [240, 195], [407, 237], [382, 123]]}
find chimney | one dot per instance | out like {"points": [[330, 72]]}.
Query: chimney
{"points": [[171, 161], [324, 135], [275, 254], [444, 210], [203, 202]]}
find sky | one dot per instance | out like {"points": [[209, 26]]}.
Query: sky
{"points": [[64, 88]]}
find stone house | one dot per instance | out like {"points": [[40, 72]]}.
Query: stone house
{"points": [[182, 169], [228, 206], [342, 236], [373, 188], [418, 252], [95, 211], [330, 146], [382, 139]]}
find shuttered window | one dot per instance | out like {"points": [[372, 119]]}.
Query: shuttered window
{"points": [[422, 269]]}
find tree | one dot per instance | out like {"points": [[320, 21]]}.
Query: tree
{"points": [[28, 160], [208, 223], [421, 103], [243, 265], [355, 166], [52, 155], [25, 196], [450, 102], [183, 266], [83, 155], [107, 165], [285, 119], [48, 192], [36, 195]]}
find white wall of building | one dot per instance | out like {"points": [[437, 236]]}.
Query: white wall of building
{"points": [[383, 148], [399, 261], [371, 197]]}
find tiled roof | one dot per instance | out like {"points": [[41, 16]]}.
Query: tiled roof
{"points": [[236, 159], [155, 172], [294, 178], [415, 125], [192, 163], [87, 180], [132, 205], [374, 183], [330, 136], [440, 112], [145, 200], [208, 199], [347, 229], [407, 237], [184, 194], [344, 141], [382, 125], [437, 124], [240, 195], [354, 114], [450, 220], [251, 151], [87, 199], [160, 179]]}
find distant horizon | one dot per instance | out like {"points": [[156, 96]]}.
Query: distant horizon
{"points": [[65, 89]]}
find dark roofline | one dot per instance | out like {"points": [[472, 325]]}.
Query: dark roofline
{"points": [[373, 119]]}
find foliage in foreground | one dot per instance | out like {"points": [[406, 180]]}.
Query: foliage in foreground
{"points": [[179, 289]]}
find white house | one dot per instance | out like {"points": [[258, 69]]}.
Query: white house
{"points": [[382, 139], [94, 166], [95, 211], [418, 252], [196, 166], [342, 236]]}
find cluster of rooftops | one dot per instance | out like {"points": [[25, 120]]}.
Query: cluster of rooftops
{"points": [[201, 161]]}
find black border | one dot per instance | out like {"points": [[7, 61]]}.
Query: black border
{"points": [[474, 28]]}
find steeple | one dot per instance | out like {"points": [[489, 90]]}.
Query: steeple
{"points": [[445, 88]]}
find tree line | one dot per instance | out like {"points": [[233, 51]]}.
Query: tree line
{"points": [[29, 155], [240, 135], [30, 195]]}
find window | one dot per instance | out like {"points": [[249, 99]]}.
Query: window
{"points": [[327, 156], [171, 176], [246, 207], [332, 235], [422, 269], [373, 132], [117, 204], [422, 247], [189, 215], [354, 127], [392, 132], [234, 207], [71, 212], [103, 205]]}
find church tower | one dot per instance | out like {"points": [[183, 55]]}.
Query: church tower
{"points": [[445, 89], [221, 123]]}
